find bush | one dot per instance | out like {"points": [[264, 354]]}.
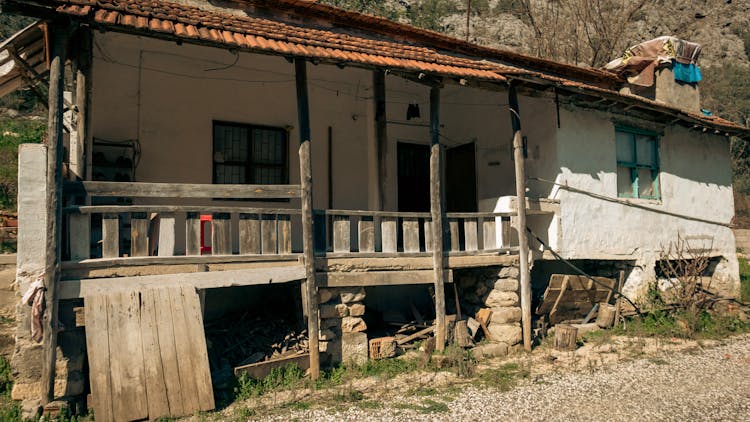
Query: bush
{"points": [[12, 134]]}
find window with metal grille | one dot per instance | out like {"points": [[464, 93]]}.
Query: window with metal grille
{"points": [[637, 163], [250, 154]]}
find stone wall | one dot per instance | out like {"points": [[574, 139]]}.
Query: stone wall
{"points": [[342, 328], [496, 288]]}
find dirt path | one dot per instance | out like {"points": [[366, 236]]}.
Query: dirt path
{"points": [[654, 381]]}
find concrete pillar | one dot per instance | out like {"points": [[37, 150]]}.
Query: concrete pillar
{"points": [[31, 259]]}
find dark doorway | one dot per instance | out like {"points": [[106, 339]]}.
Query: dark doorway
{"points": [[413, 177], [461, 178]]}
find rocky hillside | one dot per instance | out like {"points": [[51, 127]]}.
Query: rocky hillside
{"points": [[593, 32]]}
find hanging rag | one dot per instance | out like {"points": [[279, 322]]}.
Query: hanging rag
{"points": [[34, 297], [689, 73]]}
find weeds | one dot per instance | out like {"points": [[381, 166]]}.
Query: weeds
{"points": [[283, 378], [503, 378], [744, 279], [681, 324], [427, 406]]}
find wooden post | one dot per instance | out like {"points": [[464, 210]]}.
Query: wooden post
{"points": [[523, 239], [436, 211], [79, 138], [59, 35], [308, 244], [381, 135]]}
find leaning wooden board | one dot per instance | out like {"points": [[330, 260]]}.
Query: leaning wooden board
{"points": [[147, 354], [572, 296]]}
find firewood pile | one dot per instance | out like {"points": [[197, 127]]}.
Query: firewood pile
{"points": [[247, 338]]}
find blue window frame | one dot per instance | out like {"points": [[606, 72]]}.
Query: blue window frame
{"points": [[637, 163]]}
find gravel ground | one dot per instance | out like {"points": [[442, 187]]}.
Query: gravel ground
{"points": [[707, 384]]}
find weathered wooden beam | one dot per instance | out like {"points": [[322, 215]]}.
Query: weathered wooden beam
{"points": [[380, 278], [523, 239], [181, 190], [437, 214], [308, 243], [381, 133], [59, 35], [72, 289], [79, 137]]}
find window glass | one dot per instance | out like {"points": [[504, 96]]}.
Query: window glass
{"points": [[624, 182], [249, 154], [624, 142], [646, 150], [645, 183]]}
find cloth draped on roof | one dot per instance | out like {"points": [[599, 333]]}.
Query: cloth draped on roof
{"points": [[641, 60]]}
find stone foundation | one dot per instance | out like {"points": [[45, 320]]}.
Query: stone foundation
{"points": [[342, 327], [496, 288]]}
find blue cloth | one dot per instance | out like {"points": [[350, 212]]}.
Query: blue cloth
{"points": [[689, 73]]}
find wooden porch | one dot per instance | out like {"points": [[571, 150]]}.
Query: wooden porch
{"points": [[125, 247]]}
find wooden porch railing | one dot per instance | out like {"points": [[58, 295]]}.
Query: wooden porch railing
{"points": [[112, 231], [384, 232]]}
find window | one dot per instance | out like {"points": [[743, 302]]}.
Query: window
{"points": [[248, 154], [637, 163]]}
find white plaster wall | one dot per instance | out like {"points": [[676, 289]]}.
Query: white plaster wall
{"points": [[695, 182], [167, 97]]}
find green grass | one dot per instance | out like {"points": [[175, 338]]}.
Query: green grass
{"points": [[427, 406], [287, 377], [664, 324], [744, 280], [503, 378]]}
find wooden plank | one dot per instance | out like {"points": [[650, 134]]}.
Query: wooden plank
{"points": [[185, 362], [379, 278], [180, 190], [199, 351], [284, 228], [424, 262], [139, 234], [57, 40], [249, 234], [103, 209], [490, 236], [79, 236], [171, 260], [110, 235], [470, 235], [381, 132], [410, 227], [71, 289], [388, 235], [156, 391], [453, 230], [418, 334], [268, 234], [129, 400], [98, 352], [167, 234], [168, 351], [366, 227], [341, 233], [427, 235], [553, 310], [308, 235], [261, 370], [437, 214], [193, 233], [221, 234]]}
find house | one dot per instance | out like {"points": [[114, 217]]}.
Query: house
{"points": [[203, 156]]}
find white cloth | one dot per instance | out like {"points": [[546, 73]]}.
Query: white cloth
{"points": [[34, 297]]}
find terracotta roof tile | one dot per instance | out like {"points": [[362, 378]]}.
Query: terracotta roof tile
{"points": [[378, 42]]}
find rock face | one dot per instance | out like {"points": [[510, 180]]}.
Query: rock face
{"points": [[342, 335], [496, 288]]}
